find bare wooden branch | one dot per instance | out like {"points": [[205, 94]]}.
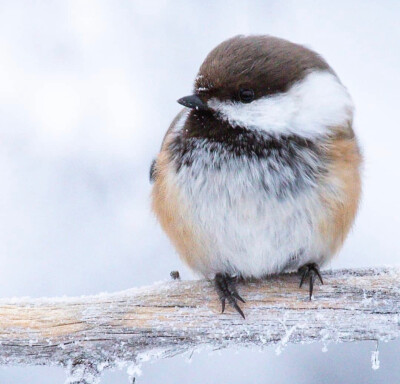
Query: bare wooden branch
{"points": [[169, 318]]}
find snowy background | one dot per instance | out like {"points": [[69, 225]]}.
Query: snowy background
{"points": [[87, 91]]}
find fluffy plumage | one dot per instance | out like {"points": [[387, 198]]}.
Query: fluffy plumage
{"points": [[261, 187]]}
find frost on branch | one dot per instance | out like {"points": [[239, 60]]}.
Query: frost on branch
{"points": [[88, 334], [82, 373]]}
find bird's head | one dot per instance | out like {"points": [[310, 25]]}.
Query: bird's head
{"points": [[269, 84]]}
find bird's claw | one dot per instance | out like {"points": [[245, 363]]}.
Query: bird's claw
{"points": [[310, 270], [226, 289]]}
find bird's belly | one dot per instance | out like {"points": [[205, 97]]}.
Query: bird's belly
{"points": [[244, 228]]}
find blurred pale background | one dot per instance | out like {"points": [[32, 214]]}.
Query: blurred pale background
{"points": [[87, 90]]}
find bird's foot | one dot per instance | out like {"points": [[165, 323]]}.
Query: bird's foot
{"points": [[310, 270], [226, 289]]}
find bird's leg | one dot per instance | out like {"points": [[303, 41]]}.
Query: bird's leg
{"points": [[226, 289], [310, 270]]}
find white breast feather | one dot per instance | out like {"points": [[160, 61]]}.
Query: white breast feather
{"points": [[243, 230]]}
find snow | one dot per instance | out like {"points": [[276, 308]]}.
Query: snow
{"points": [[134, 370], [84, 374], [375, 360]]}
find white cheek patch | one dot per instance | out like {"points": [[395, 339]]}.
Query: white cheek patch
{"points": [[309, 108]]}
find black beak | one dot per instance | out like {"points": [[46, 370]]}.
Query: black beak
{"points": [[194, 102]]}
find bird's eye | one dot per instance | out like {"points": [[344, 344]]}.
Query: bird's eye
{"points": [[246, 95]]}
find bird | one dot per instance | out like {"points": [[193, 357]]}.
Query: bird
{"points": [[260, 172]]}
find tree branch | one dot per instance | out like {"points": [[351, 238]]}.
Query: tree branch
{"points": [[170, 318]]}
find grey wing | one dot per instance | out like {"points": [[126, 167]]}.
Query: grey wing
{"points": [[152, 171], [170, 129]]}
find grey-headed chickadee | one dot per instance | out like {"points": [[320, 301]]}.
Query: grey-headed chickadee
{"points": [[260, 172]]}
